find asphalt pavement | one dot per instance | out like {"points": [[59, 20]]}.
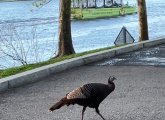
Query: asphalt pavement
{"points": [[139, 93]]}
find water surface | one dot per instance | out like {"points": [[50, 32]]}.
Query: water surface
{"points": [[40, 26]]}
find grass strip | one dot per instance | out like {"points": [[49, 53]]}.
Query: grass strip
{"points": [[15, 70]]}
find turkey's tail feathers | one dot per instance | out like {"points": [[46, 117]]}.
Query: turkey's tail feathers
{"points": [[58, 105]]}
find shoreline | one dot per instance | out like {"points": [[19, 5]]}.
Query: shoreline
{"points": [[115, 16], [100, 13]]}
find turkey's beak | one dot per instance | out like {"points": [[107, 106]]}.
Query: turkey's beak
{"points": [[114, 78]]}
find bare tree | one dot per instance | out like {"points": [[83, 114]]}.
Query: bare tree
{"points": [[143, 25], [11, 45], [65, 46], [22, 49]]}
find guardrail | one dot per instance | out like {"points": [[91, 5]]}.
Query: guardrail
{"points": [[42, 72]]}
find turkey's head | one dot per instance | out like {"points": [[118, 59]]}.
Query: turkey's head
{"points": [[111, 79]]}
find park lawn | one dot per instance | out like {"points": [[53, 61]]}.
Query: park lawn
{"points": [[94, 13]]}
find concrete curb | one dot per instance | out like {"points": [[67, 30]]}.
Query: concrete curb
{"points": [[42, 72]]}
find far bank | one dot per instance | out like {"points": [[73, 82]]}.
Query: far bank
{"points": [[96, 13]]}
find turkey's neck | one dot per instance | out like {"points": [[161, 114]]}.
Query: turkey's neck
{"points": [[111, 85]]}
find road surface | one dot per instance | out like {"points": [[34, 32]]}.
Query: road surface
{"points": [[139, 93]]}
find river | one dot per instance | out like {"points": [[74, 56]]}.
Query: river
{"points": [[40, 26]]}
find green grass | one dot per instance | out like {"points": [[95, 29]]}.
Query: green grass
{"points": [[15, 70], [94, 13]]}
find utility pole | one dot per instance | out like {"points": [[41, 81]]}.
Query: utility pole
{"points": [[143, 25]]}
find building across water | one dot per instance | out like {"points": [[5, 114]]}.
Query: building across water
{"points": [[96, 3]]}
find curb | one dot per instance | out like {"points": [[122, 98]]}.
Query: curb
{"points": [[42, 72]]}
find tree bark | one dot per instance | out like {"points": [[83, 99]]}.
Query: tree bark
{"points": [[121, 2], [143, 25], [104, 3], [65, 46], [95, 4]]}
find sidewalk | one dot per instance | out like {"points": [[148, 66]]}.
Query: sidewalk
{"points": [[139, 93], [154, 56]]}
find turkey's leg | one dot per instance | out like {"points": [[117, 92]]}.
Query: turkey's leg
{"points": [[84, 108], [98, 112]]}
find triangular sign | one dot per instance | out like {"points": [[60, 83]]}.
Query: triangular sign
{"points": [[124, 37]]}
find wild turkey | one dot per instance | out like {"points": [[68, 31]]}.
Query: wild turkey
{"points": [[88, 95]]}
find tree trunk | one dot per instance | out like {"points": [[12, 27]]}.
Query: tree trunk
{"points": [[78, 3], [73, 2], [95, 4], [121, 2], [143, 25], [104, 3], [65, 46]]}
